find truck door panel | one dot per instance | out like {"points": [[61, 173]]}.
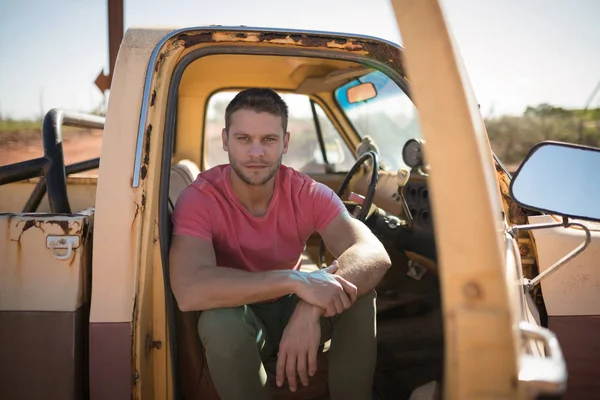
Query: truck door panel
{"points": [[44, 305]]}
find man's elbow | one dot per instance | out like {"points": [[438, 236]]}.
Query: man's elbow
{"points": [[384, 262], [380, 254], [185, 296], [181, 298], [187, 301], [376, 256]]}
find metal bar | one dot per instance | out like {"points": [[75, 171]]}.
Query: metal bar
{"points": [[36, 197], [52, 139], [569, 256], [115, 32], [319, 133], [22, 170], [530, 283], [516, 228], [40, 189], [56, 181], [82, 166], [83, 120]]}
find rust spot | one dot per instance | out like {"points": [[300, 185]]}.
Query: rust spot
{"points": [[267, 36], [523, 250], [153, 98], [473, 291], [147, 145], [84, 233], [144, 171], [19, 257], [161, 57], [192, 40], [64, 225], [137, 210], [28, 224], [316, 41], [389, 55]]}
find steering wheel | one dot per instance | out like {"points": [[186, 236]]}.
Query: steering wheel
{"points": [[366, 206]]}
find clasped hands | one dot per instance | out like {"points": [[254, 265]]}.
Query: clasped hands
{"points": [[321, 293]]}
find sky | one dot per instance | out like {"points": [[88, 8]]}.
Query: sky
{"points": [[517, 53]]}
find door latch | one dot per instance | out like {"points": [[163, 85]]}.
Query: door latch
{"points": [[68, 243]]}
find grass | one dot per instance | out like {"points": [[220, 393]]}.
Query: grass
{"points": [[17, 126], [9, 125]]}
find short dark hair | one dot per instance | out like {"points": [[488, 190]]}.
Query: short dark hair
{"points": [[258, 100]]}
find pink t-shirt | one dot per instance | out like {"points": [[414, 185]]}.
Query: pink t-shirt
{"points": [[209, 210]]}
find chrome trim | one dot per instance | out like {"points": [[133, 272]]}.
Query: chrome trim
{"points": [[542, 375], [529, 284], [150, 72]]}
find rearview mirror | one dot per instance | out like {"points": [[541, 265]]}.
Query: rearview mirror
{"points": [[362, 92], [559, 178]]}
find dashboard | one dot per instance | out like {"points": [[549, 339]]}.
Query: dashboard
{"points": [[392, 224], [414, 232]]}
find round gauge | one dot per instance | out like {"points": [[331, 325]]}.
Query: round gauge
{"points": [[412, 153]]}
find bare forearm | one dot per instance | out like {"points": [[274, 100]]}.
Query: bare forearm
{"points": [[364, 265], [218, 287]]}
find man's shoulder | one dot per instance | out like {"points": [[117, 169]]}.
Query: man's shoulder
{"points": [[301, 183], [208, 184], [213, 178], [295, 178]]}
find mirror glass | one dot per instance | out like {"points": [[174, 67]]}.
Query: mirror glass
{"points": [[559, 178], [362, 92]]}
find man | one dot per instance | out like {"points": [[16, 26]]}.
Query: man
{"points": [[238, 234]]}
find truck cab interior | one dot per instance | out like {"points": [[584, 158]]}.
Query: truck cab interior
{"points": [[339, 111]]}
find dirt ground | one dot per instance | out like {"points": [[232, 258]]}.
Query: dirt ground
{"points": [[78, 145]]}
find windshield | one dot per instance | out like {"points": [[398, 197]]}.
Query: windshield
{"points": [[389, 118]]}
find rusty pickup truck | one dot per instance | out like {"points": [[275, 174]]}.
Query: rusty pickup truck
{"points": [[487, 297]]}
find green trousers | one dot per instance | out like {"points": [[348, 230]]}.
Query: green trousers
{"points": [[237, 340]]}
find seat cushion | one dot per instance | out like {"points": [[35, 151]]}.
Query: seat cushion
{"points": [[182, 174]]}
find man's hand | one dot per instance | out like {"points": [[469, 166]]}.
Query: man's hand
{"points": [[299, 345], [328, 291]]}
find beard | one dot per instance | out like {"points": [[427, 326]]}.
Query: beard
{"points": [[255, 181]]}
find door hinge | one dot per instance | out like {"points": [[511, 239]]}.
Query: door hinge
{"points": [[152, 344]]}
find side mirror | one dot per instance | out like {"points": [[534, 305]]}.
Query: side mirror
{"points": [[559, 178], [362, 92]]}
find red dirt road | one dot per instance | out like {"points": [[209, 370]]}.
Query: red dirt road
{"points": [[78, 145]]}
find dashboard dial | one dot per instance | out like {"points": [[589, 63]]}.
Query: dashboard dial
{"points": [[412, 153]]}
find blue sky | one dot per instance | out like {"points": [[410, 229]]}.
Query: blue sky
{"points": [[517, 53]]}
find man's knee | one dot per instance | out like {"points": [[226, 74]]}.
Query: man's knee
{"points": [[225, 329], [362, 312], [365, 305]]}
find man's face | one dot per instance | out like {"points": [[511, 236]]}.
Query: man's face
{"points": [[256, 144]]}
